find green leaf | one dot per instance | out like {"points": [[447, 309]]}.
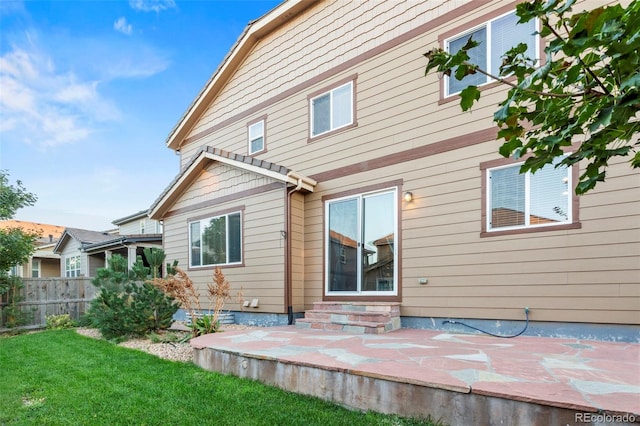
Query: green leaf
{"points": [[468, 96]]}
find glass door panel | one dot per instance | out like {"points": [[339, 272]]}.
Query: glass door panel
{"points": [[378, 251], [343, 245]]}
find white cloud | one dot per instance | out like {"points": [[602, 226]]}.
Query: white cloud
{"points": [[46, 107], [152, 5], [51, 96], [123, 26]]}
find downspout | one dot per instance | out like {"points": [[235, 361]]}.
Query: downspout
{"points": [[288, 286]]}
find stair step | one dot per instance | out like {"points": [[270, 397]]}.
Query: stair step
{"points": [[359, 327], [392, 307], [344, 317]]}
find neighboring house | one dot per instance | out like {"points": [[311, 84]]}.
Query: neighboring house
{"points": [[319, 163], [82, 251], [43, 262]]}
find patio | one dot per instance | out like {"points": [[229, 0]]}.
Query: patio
{"points": [[459, 378]]}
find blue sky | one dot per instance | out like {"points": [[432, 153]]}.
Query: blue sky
{"points": [[89, 91]]}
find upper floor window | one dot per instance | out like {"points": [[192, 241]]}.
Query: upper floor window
{"points": [[526, 200], [72, 266], [256, 137], [216, 240], [332, 109], [142, 226], [496, 37]]}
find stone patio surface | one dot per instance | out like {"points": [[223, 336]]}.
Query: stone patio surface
{"points": [[585, 376]]}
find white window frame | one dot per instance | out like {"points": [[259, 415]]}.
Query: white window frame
{"points": [[142, 226], [255, 136], [202, 224], [568, 181], [487, 44], [332, 126], [36, 266], [72, 272], [360, 245]]}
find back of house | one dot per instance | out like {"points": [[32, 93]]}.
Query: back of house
{"points": [[320, 164]]}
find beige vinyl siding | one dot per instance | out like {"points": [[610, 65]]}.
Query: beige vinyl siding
{"points": [[323, 35], [261, 275], [297, 252], [133, 227], [583, 275], [590, 274]]}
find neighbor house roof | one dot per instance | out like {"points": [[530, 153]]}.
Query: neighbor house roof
{"points": [[206, 155], [122, 241], [84, 236], [48, 233], [141, 214], [254, 31]]}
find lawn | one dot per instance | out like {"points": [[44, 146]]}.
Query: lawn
{"points": [[63, 378]]}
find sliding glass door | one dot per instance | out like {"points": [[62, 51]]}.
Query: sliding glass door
{"points": [[360, 244]]}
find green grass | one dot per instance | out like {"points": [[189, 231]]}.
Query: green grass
{"points": [[59, 377]]}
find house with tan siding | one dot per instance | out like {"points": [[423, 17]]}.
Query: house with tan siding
{"points": [[320, 165]]}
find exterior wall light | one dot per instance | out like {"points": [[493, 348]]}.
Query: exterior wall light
{"points": [[408, 196]]}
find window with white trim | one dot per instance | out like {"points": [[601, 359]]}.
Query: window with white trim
{"points": [[35, 268], [216, 240], [142, 226], [256, 137], [526, 200], [332, 110], [496, 37], [72, 266], [360, 244]]}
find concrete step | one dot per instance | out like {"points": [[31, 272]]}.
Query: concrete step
{"points": [[352, 317], [354, 327], [345, 317], [392, 307]]}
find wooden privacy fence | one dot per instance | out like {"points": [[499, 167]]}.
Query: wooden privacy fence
{"points": [[54, 296]]}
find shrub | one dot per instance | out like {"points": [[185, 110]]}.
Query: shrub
{"points": [[125, 305], [12, 315], [59, 322], [179, 285]]}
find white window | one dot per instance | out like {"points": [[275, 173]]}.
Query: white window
{"points": [[15, 271], [142, 226], [35, 268], [158, 227], [496, 37], [360, 237], [332, 110], [526, 200], [256, 137], [216, 240], [72, 266]]}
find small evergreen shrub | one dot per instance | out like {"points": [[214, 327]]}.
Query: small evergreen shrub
{"points": [[59, 322], [127, 305]]}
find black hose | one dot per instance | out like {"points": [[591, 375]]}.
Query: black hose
{"points": [[526, 314]]}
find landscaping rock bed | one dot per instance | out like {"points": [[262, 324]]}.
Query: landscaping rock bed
{"points": [[174, 351]]}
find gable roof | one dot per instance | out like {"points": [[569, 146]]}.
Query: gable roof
{"points": [[141, 214], [84, 236], [122, 241], [205, 156], [254, 31]]}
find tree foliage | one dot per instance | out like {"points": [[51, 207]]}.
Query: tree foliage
{"points": [[16, 245], [586, 88], [12, 197]]}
